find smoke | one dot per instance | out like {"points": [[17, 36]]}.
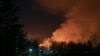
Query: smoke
{"points": [[56, 6], [82, 22]]}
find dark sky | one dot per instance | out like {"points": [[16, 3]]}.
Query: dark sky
{"points": [[35, 20]]}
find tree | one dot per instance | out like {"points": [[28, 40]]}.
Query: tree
{"points": [[11, 32]]}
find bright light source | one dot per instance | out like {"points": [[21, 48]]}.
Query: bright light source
{"points": [[30, 50]]}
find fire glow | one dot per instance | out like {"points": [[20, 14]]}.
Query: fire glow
{"points": [[81, 25], [46, 43]]}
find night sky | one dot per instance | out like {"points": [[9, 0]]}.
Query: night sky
{"points": [[37, 21]]}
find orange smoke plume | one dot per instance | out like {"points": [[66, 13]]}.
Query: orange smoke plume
{"points": [[82, 24], [46, 43]]}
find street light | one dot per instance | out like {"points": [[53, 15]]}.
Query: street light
{"points": [[30, 50]]}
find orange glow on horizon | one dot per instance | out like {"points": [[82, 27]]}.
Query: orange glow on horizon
{"points": [[46, 43]]}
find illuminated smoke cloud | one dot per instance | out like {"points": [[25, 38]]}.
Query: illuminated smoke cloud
{"points": [[82, 22], [56, 6]]}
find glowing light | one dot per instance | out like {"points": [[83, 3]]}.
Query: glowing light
{"points": [[79, 26], [30, 50], [46, 43]]}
